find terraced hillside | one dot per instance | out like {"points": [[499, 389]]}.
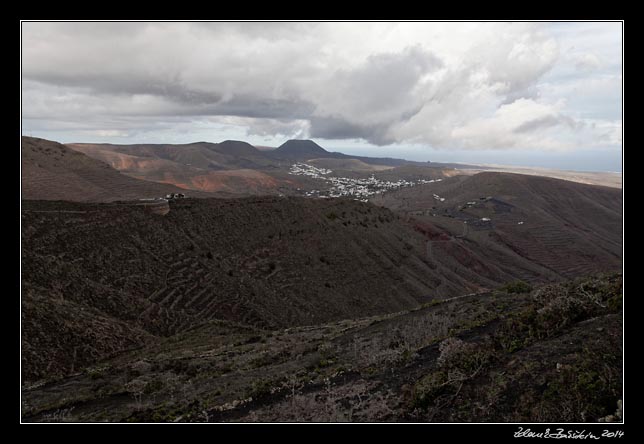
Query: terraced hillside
{"points": [[54, 172], [531, 227], [267, 262], [510, 355], [279, 262]]}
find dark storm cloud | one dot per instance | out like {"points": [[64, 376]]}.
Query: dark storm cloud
{"points": [[367, 100], [256, 107], [172, 89], [337, 128]]}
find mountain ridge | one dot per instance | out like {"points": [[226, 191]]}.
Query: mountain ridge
{"points": [[53, 171]]}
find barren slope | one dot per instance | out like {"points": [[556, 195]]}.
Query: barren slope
{"points": [[54, 172], [230, 166], [527, 226]]}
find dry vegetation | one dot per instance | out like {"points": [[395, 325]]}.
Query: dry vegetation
{"points": [[123, 274], [292, 309], [551, 355]]}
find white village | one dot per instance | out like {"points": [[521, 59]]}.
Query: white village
{"points": [[359, 189]]}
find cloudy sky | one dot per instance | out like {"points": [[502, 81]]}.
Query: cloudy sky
{"points": [[538, 94]]}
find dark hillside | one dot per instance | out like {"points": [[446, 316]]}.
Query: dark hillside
{"points": [[531, 227], [551, 355], [269, 262]]}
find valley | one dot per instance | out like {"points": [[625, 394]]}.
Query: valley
{"points": [[305, 289], [324, 222]]}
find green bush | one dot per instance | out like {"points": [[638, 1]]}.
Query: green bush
{"points": [[260, 388], [428, 388]]}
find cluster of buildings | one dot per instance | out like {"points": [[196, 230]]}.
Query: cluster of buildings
{"points": [[359, 189], [303, 169], [437, 197], [168, 197]]}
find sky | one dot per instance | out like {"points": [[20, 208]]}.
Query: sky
{"points": [[546, 94]]}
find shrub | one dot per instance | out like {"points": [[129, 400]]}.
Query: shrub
{"points": [[327, 350], [459, 362], [517, 287], [461, 359], [428, 388], [556, 307], [153, 386], [584, 391], [260, 388], [615, 302], [96, 372]]}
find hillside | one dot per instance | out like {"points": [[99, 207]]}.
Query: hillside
{"points": [[278, 262], [238, 148], [531, 227], [229, 154], [233, 167], [299, 150], [238, 168], [407, 307], [509, 355], [269, 262], [52, 171]]}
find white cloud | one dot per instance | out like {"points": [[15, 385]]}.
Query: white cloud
{"points": [[520, 124], [284, 128], [587, 62], [449, 85], [111, 133]]}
